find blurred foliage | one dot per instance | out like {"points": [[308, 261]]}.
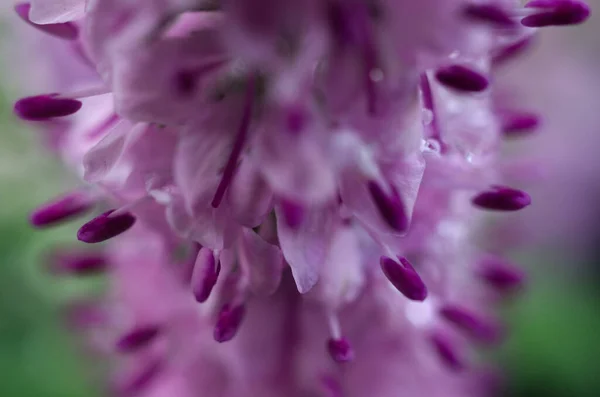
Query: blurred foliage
{"points": [[554, 349], [37, 356]]}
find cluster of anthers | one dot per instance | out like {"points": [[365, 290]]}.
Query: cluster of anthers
{"points": [[349, 147]]}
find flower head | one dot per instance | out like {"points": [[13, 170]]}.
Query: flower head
{"points": [[324, 165]]}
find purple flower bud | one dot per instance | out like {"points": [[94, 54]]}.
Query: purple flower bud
{"points": [[205, 275], [229, 321], [502, 198], [482, 330], [44, 107], [462, 78], [66, 30], [105, 227], [340, 350], [62, 209], [556, 13], [137, 339], [390, 207], [404, 277]]}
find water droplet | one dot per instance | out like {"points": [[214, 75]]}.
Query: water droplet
{"points": [[431, 146]]}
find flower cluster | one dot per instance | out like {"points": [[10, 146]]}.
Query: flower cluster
{"points": [[305, 180]]}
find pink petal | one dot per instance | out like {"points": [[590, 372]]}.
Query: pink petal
{"points": [[305, 248], [264, 262], [56, 11]]}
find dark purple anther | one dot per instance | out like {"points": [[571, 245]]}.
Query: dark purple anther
{"points": [[556, 13], [340, 350], [66, 30], [515, 124], [79, 263], [229, 321], [478, 328], [293, 213], [105, 227], [462, 78], [44, 107], [62, 209], [501, 198], [205, 275], [404, 277], [447, 351], [137, 339], [490, 14], [390, 207], [501, 275]]}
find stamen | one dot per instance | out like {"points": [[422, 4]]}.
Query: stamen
{"points": [[502, 198], [404, 277], [447, 351], [238, 146], [105, 227], [205, 275], [62, 209], [429, 104], [137, 339], [500, 274], [556, 13], [516, 124], [79, 263], [229, 321], [45, 107], [472, 324], [66, 30], [462, 78], [490, 14], [390, 207], [338, 347], [340, 350]]}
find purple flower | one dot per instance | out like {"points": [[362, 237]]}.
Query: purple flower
{"points": [[323, 166]]}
